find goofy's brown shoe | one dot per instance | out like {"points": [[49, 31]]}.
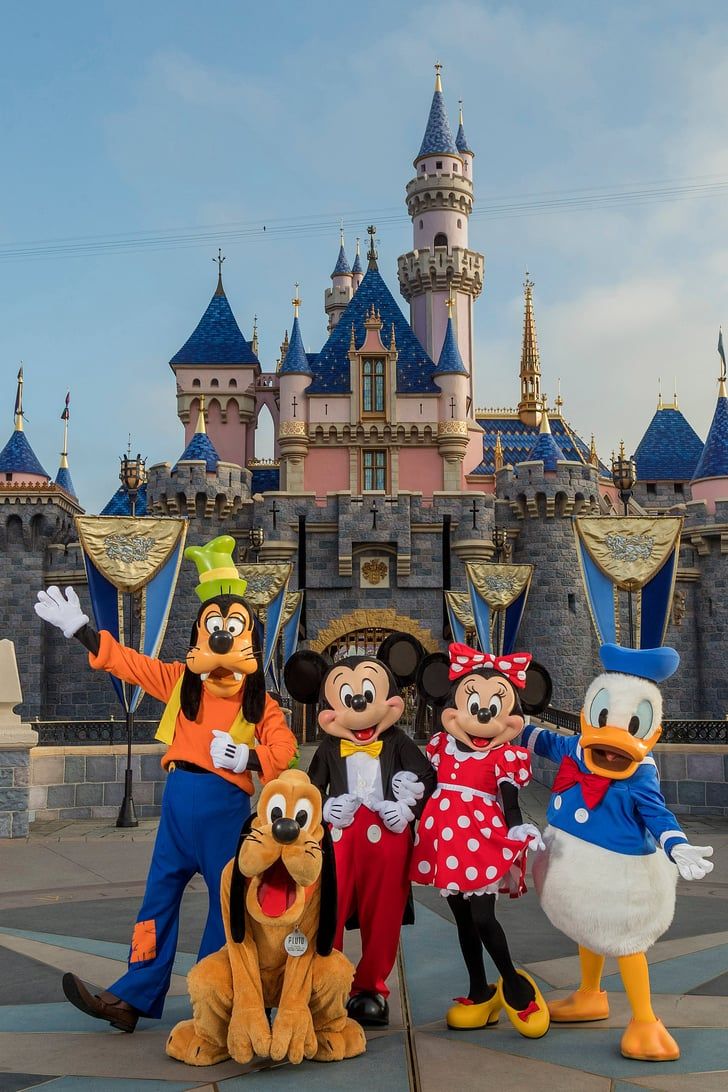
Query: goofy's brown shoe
{"points": [[100, 1003]]}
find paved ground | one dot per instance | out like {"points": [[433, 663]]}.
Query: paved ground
{"points": [[69, 894]]}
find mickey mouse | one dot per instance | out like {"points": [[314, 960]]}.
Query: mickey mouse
{"points": [[374, 781]]}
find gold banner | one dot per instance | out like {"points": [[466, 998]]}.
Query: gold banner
{"points": [[499, 585], [128, 551], [293, 598], [264, 582], [629, 550], [459, 604]]}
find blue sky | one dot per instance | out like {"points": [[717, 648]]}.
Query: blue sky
{"points": [[166, 116]]}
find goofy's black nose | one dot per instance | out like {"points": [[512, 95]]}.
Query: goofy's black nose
{"points": [[285, 831], [221, 641], [358, 703], [484, 715]]}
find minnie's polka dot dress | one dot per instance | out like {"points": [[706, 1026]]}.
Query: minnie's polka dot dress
{"points": [[462, 843]]}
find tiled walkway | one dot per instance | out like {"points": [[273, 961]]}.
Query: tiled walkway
{"points": [[69, 894]]}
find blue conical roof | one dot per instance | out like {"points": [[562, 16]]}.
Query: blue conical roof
{"points": [[356, 268], [438, 135], [296, 361], [461, 141], [18, 457], [450, 361], [200, 449], [670, 448], [120, 505], [546, 451], [342, 263], [217, 338], [64, 479], [713, 463]]}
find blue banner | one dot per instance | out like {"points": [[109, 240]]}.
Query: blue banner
{"points": [[513, 616], [273, 617], [656, 604], [291, 627], [600, 597], [481, 616]]}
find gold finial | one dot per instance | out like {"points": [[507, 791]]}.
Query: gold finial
{"points": [[559, 400], [393, 342], [19, 401], [593, 456], [357, 246], [352, 340], [531, 402], [219, 291], [200, 426], [498, 452], [622, 452], [341, 232], [296, 301], [438, 81], [254, 342], [460, 111], [545, 424], [450, 304]]}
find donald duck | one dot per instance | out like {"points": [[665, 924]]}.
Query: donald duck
{"points": [[608, 876]]}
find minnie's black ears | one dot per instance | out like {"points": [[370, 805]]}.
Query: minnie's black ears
{"points": [[402, 654], [433, 678], [303, 674], [536, 695]]}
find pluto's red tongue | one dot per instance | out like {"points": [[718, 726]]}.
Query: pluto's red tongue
{"points": [[276, 891]]}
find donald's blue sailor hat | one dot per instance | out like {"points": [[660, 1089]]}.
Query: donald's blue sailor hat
{"points": [[655, 664]]}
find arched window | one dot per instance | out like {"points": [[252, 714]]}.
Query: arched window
{"points": [[233, 383], [195, 382], [460, 223], [214, 382], [441, 239]]}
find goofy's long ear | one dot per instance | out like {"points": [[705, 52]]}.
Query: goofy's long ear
{"points": [[402, 654], [536, 695], [327, 910], [237, 888], [190, 694]]}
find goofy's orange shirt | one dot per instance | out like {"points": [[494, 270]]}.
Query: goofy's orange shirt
{"points": [[275, 743]]}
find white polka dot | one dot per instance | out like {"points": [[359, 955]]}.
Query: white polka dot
{"points": [[522, 754], [374, 833], [444, 804], [436, 793], [581, 815], [523, 775], [435, 844], [485, 831], [473, 844], [456, 765], [497, 771], [424, 867], [435, 760], [463, 821], [453, 777], [447, 834], [452, 862], [491, 872], [453, 887], [467, 797], [497, 821], [479, 816], [336, 834], [471, 873], [507, 854], [429, 822], [509, 756]]}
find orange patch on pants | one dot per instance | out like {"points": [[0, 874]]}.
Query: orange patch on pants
{"points": [[144, 941]]}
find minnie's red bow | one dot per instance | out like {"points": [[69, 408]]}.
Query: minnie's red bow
{"points": [[464, 659]]}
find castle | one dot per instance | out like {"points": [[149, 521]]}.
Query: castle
{"points": [[387, 479]]}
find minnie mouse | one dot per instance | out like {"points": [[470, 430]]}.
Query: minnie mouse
{"points": [[374, 780], [472, 842]]}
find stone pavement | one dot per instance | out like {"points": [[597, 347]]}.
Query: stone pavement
{"points": [[69, 894]]}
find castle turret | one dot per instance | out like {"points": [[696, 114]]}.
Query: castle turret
{"points": [[531, 404], [710, 480], [18, 462], [357, 273], [452, 378], [461, 143], [337, 297], [295, 377], [439, 201], [546, 450]]}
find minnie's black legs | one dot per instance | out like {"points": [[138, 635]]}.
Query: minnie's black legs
{"points": [[472, 948], [516, 989]]}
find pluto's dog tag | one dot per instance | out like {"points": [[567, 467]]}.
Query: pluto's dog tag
{"points": [[296, 943]]}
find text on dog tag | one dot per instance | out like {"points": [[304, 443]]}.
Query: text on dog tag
{"points": [[296, 943]]}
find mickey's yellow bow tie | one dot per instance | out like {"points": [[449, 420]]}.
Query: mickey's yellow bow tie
{"points": [[349, 748]]}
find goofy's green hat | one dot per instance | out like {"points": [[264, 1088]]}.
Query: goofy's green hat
{"points": [[217, 571]]}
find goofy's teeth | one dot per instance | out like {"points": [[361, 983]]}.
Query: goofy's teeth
{"points": [[205, 675], [238, 676]]}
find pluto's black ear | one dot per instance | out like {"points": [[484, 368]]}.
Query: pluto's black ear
{"points": [[237, 888], [402, 654], [433, 678], [327, 910], [536, 695], [303, 674]]}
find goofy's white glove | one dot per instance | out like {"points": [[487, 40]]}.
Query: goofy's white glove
{"points": [[63, 613], [527, 832], [226, 754], [407, 788], [340, 810], [691, 861], [395, 814]]}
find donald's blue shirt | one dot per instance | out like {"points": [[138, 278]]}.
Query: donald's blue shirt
{"points": [[632, 818]]}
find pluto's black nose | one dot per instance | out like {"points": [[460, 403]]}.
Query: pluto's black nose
{"points": [[221, 641], [286, 831]]}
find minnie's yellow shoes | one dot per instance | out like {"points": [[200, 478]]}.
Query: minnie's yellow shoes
{"points": [[467, 1014], [533, 1021]]}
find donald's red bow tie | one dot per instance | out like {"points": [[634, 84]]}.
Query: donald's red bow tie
{"points": [[593, 786], [464, 659]]}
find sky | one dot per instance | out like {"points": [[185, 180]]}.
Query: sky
{"points": [[138, 137]]}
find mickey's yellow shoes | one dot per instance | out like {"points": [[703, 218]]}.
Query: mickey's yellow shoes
{"points": [[533, 1021], [467, 1014]]}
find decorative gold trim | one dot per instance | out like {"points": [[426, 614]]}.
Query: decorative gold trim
{"points": [[452, 428], [383, 618], [292, 428]]}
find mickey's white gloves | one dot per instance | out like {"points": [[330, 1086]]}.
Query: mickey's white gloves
{"points": [[395, 814], [226, 754], [407, 788], [63, 613], [340, 810], [691, 860], [527, 832]]}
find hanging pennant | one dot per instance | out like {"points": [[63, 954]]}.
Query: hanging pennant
{"points": [[459, 615], [266, 594], [498, 588]]}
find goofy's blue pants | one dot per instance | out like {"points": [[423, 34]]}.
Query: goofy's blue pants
{"points": [[202, 816]]}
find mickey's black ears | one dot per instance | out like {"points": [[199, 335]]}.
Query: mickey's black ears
{"points": [[303, 674], [328, 901], [433, 678], [402, 654], [237, 888], [536, 695]]}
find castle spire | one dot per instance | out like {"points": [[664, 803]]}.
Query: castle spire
{"points": [[19, 402], [531, 404], [254, 342], [200, 427], [63, 477], [372, 253], [219, 291], [438, 138], [498, 452], [461, 141]]}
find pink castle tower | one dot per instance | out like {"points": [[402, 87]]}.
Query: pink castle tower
{"points": [[337, 297]]}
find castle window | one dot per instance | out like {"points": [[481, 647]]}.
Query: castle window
{"points": [[421, 225], [441, 239], [374, 468], [454, 167], [372, 385], [233, 383], [195, 382], [438, 164], [8, 477], [678, 487], [652, 489], [572, 602], [214, 382], [460, 223]]}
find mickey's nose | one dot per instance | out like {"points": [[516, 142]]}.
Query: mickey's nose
{"points": [[358, 703], [483, 716], [221, 641], [285, 831]]}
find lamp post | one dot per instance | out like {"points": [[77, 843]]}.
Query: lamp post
{"points": [[499, 538], [132, 476], [624, 476]]}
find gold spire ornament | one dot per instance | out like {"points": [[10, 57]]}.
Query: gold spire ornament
{"points": [[593, 456], [531, 404], [438, 81], [19, 402], [219, 291], [498, 452], [296, 301], [254, 343], [200, 426]]}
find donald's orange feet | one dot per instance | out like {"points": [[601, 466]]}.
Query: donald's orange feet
{"points": [[649, 1041], [581, 1006]]}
